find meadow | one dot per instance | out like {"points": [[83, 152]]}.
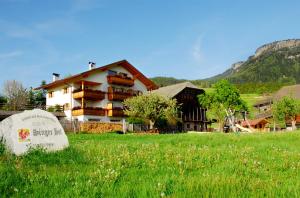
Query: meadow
{"points": [[180, 165]]}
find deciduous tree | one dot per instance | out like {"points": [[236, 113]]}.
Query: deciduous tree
{"points": [[151, 108], [286, 108], [16, 94], [224, 101]]}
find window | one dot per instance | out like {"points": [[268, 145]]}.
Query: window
{"points": [[94, 120], [188, 126], [112, 73], [66, 90], [50, 94], [115, 120]]}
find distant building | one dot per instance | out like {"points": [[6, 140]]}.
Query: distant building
{"points": [[259, 124], [264, 106], [97, 94], [192, 114]]}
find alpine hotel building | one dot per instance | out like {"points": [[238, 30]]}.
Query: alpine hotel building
{"points": [[97, 94]]}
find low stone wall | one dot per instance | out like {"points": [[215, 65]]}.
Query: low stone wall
{"points": [[100, 127]]}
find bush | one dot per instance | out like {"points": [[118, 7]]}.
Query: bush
{"points": [[132, 120], [2, 146]]}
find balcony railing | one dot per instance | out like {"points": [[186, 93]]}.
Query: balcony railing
{"points": [[120, 94], [96, 111], [120, 80], [88, 94], [116, 112]]}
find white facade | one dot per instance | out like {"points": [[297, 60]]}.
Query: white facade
{"points": [[59, 95]]}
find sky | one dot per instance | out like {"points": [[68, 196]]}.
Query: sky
{"points": [[190, 39]]}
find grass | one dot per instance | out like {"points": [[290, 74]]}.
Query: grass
{"points": [[182, 165]]}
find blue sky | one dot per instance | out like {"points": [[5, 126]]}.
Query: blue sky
{"points": [[189, 39]]}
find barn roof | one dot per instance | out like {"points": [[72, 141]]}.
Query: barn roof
{"points": [[172, 90], [293, 91]]}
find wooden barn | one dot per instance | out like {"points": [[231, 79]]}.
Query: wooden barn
{"points": [[192, 114]]}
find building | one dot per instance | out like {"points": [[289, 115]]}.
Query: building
{"points": [[264, 107], [259, 124], [97, 94], [192, 114]]}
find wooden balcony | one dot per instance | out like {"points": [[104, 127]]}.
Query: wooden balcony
{"points": [[117, 94], [115, 113], [77, 111], [120, 80], [89, 94]]}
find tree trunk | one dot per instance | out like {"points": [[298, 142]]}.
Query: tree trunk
{"points": [[220, 127], [151, 124], [294, 124]]}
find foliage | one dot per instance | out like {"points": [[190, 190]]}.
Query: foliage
{"points": [[16, 94], [165, 81], [260, 88], [151, 107], [2, 146], [286, 108], [133, 120], [223, 101], [111, 165], [3, 100], [56, 108]]}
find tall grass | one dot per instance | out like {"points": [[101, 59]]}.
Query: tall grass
{"points": [[185, 165]]}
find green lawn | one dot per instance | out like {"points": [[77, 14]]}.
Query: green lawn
{"points": [[183, 165]]}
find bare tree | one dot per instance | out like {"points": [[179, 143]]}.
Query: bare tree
{"points": [[16, 94]]}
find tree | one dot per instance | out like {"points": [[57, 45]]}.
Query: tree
{"points": [[3, 100], [286, 108], [224, 101], [16, 94], [37, 98], [151, 108]]}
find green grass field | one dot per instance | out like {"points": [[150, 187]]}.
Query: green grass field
{"points": [[182, 165]]}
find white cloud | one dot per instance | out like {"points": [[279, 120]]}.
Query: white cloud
{"points": [[83, 5], [10, 54], [197, 51]]}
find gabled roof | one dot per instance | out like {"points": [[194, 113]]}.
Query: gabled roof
{"points": [[293, 91], [172, 90], [255, 122], [123, 63]]}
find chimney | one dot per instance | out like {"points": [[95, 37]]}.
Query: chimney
{"points": [[55, 77], [92, 65]]}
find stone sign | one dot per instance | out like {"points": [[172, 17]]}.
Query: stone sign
{"points": [[32, 129]]}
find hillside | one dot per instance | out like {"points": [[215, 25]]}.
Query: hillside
{"points": [[275, 62], [165, 81], [272, 66]]}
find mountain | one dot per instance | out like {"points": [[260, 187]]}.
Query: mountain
{"points": [[274, 62]]}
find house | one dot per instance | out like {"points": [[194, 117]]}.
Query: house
{"points": [[192, 114], [259, 124], [264, 106], [97, 94], [289, 122]]}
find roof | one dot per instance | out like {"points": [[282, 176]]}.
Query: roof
{"points": [[124, 63], [293, 91], [172, 90], [265, 101], [255, 122]]}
